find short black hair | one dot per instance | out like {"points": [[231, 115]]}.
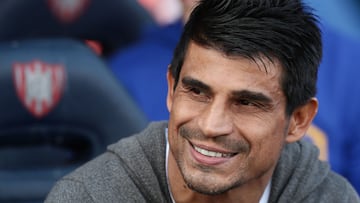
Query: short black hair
{"points": [[284, 30]]}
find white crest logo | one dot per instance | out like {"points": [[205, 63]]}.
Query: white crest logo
{"points": [[39, 85]]}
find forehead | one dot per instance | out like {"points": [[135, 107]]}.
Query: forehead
{"points": [[233, 73]]}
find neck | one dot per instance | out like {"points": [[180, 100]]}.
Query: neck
{"points": [[249, 192]]}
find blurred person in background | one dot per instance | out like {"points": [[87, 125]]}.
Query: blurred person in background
{"points": [[335, 130], [141, 66]]}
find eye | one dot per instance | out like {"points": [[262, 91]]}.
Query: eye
{"points": [[245, 102], [197, 94], [195, 90]]}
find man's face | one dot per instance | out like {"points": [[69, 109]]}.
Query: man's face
{"points": [[227, 121]]}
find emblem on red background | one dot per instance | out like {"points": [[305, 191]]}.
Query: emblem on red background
{"points": [[68, 11], [39, 85]]}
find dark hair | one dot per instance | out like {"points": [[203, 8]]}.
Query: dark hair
{"points": [[282, 30]]}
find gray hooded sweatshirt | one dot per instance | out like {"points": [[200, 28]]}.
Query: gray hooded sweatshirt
{"points": [[133, 170]]}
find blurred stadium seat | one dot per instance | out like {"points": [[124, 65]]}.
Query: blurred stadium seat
{"points": [[113, 23], [60, 106]]}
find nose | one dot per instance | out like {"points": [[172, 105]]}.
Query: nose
{"points": [[215, 120]]}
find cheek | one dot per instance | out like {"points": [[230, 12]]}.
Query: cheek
{"points": [[184, 109], [180, 113], [263, 126], [267, 142], [269, 147], [267, 154], [265, 135]]}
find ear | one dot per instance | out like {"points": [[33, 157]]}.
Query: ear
{"points": [[301, 119], [170, 94]]}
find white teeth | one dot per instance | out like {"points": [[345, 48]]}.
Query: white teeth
{"points": [[211, 153]]}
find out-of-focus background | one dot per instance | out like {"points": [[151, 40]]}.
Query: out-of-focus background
{"points": [[344, 16], [78, 75]]}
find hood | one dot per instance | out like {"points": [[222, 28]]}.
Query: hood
{"points": [[298, 173]]}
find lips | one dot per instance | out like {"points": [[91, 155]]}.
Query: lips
{"points": [[213, 153], [209, 157]]}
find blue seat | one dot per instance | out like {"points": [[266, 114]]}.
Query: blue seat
{"points": [[59, 107], [114, 23]]}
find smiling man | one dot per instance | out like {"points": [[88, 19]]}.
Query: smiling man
{"points": [[241, 95], [227, 125]]}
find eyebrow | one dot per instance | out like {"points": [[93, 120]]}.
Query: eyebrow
{"points": [[191, 82], [236, 95], [251, 95]]}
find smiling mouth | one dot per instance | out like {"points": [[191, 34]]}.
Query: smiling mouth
{"points": [[212, 153]]}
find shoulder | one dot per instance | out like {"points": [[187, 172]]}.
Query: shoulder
{"points": [[301, 177], [152, 137], [335, 189], [118, 174], [100, 180]]}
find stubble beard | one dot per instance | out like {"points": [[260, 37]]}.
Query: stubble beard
{"points": [[207, 184]]}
